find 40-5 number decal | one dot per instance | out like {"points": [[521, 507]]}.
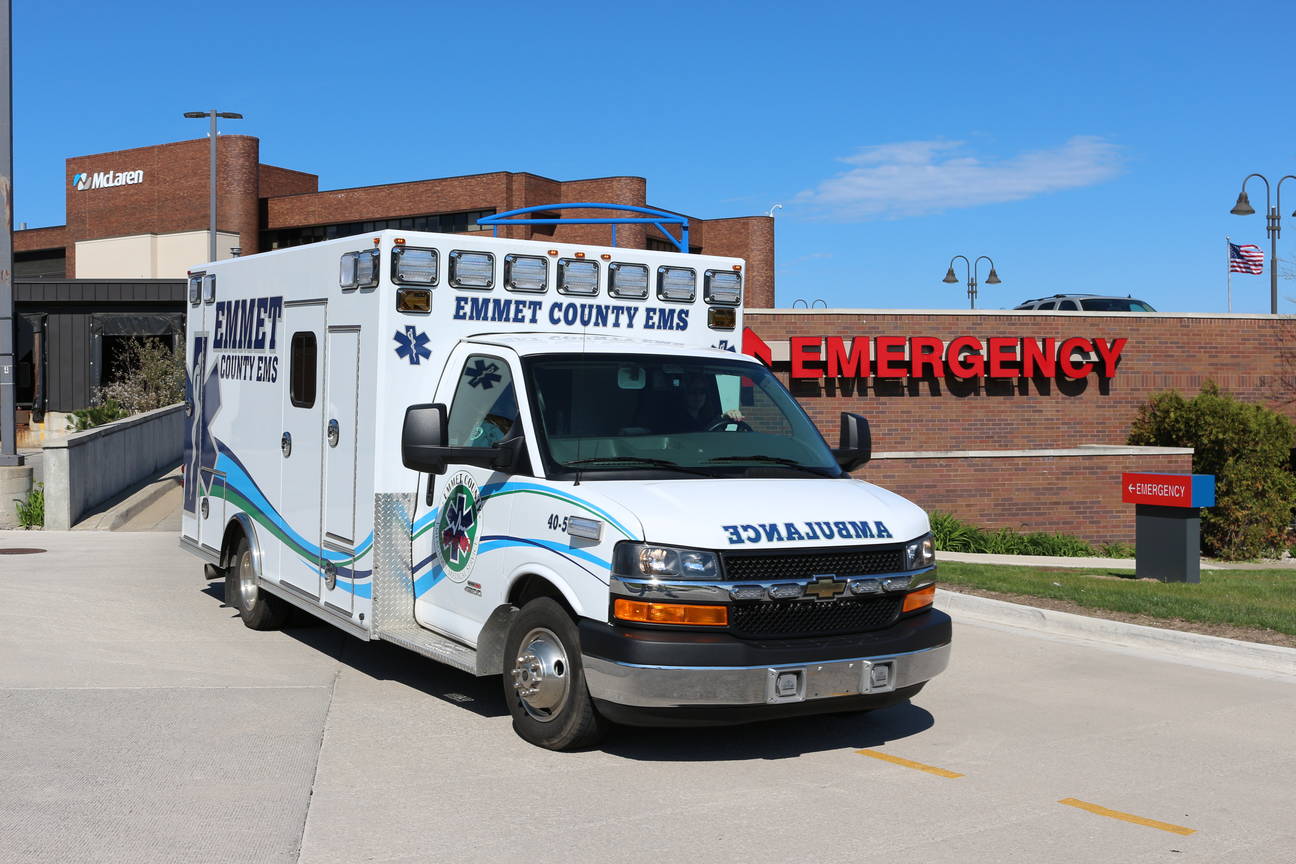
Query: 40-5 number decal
{"points": [[557, 523]]}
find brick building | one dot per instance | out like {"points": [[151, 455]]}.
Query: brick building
{"points": [[143, 213], [138, 219]]}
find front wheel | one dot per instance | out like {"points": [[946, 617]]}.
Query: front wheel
{"points": [[544, 682]]}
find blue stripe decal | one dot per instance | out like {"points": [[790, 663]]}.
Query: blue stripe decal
{"points": [[237, 478], [509, 486], [500, 541]]}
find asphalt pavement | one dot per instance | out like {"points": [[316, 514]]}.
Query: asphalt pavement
{"points": [[142, 722]]}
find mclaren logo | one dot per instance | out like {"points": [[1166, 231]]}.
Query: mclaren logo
{"points": [[106, 179], [825, 587]]}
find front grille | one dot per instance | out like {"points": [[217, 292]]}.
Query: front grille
{"points": [[776, 618], [807, 565]]}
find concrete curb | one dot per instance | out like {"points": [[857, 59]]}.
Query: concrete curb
{"points": [[1175, 644]]}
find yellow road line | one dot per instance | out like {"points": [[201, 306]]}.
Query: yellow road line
{"points": [[908, 763], [1127, 817]]}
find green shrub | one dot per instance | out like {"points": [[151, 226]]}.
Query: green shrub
{"points": [[96, 415], [31, 510], [1247, 447], [951, 535]]}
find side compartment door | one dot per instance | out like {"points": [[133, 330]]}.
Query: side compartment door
{"points": [[301, 445], [454, 591], [341, 385]]}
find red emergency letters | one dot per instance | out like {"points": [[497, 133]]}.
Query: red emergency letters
{"points": [[961, 357]]}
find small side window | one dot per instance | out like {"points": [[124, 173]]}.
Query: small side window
{"points": [[472, 269], [301, 366], [1052, 304], [1068, 306], [209, 288], [576, 276], [195, 290], [414, 266], [677, 283], [526, 273], [628, 281]]}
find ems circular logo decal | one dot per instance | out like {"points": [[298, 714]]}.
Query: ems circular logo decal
{"points": [[457, 526]]}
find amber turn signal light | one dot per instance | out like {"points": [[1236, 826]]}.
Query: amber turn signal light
{"points": [[413, 300], [919, 599], [670, 613]]}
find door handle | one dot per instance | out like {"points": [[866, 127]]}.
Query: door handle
{"points": [[285, 444], [333, 433]]}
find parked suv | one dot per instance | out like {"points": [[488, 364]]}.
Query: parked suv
{"points": [[1086, 303]]}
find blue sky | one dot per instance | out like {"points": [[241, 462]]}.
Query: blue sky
{"points": [[1089, 147]]}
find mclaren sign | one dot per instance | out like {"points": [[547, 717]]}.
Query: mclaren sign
{"points": [[105, 179]]}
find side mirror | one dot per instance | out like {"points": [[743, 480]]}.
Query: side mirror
{"points": [[856, 442], [423, 438]]}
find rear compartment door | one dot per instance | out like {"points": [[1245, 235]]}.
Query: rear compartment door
{"points": [[341, 385]]}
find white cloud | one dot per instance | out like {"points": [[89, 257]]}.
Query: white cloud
{"points": [[912, 178]]}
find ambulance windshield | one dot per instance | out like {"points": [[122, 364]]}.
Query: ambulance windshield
{"points": [[660, 415]]}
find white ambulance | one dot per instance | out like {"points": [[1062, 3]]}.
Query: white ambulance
{"points": [[547, 462]]}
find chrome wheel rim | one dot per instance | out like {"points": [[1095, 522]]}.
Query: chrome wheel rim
{"points": [[541, 674], [247, 580]]}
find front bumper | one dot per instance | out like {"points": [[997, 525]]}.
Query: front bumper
{"points": [[654, 669]]}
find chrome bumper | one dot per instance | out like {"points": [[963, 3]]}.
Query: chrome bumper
{"points": [[681, 686]]}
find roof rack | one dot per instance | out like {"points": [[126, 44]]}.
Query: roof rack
{"points": [[658, 218]]}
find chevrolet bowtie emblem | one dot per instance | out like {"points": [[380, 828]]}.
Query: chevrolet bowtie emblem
{"points": [[824, 587]]}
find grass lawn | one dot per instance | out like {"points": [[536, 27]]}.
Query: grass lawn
{"points": [[1262, 599]]}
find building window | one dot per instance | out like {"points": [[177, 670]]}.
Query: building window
{"points": [[441, 223]]}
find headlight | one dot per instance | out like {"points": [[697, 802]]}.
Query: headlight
{"points": [[920, 553], [645, 561]]}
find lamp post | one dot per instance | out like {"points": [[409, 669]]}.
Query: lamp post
{"points": [[213, 114], [1273, 228], [951, 279]]}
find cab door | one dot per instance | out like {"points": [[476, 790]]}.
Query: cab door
{"points": [[454, 577], [301, 447]]}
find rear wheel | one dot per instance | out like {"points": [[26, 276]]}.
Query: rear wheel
{"points": [[259, 610], [544, 681]]}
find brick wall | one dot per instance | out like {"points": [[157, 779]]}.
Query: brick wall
{"points": [[173, 196], [1249, 356], [1077, 494]]}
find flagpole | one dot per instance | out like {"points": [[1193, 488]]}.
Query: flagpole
{"points": [[1228, 268]]}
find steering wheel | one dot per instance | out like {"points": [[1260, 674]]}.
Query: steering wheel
{"points": [[719, 425]]}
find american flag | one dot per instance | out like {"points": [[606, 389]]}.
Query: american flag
{"points": [[1247, 258]]}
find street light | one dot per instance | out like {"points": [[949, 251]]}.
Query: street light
{"points": [[951, 279], [213, 114], [1243, 208]]}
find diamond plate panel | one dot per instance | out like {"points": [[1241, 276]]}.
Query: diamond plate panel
{"points": [[393, 589]]}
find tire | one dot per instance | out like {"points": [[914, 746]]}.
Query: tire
{"points": [[259, 610], [544, 681]]}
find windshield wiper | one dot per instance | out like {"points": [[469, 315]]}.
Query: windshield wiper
{"points": [[642, 460], [773, 460]]}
